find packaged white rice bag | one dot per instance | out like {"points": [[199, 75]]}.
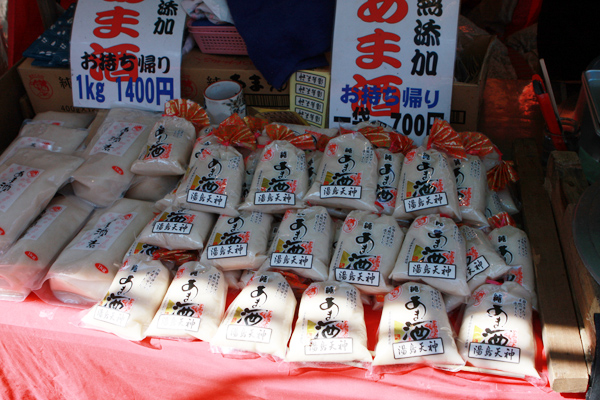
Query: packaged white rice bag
{"points": [[65, 119], [312, 130], [454, 302], [193, 306], [483, 262], [28, 181], [507, 201], [132, 300], [313, 159], [434, 252], [347, 175], [213, 181], [513, 245], [280, 179], [389, 168], [303, 244], [141, 251], [497, 330], [330, 328], [25, 264], [427, 186], [178, 228], [106, 173], [84, 270], [167, 201], [238, 242], [233, 278], [151, 188], [471, 186], [167, 149], [366, 252], [415, 329], [259, 320], [250, 163], [493, 205], [46, 137]]}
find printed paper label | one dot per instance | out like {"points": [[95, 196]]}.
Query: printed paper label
{"points": [[368, 278], [424, 202], [14, 181], [105, 232], [206, 199], [432, 270], [178, 322], [263, 198], [346, 192], [476, 266], [117, 138], [249, 333], [329, 346], [179, 228], [287, 260], [111, 316], [418, 348], [227, 251], [494, 352]]}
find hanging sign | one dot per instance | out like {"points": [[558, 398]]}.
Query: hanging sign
{"points": [[126, 52], [393, 61]]}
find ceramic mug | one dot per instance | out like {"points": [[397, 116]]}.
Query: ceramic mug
{"points": [[222, 99]]}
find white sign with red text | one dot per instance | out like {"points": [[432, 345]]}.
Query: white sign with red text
{"points": [[126, 52], [393, 61]]}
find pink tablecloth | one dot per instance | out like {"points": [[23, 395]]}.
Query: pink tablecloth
{"points": [[44, 355]]}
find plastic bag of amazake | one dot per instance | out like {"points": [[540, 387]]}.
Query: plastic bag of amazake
{"points": [[240, 242], [84, 270], [513, 245], [415, 329], [193, 306], [259, 320], [366, 251], [303, 244], [213, 181], [330, 329], [434, 252], [427, 183], [497, 330], [131, 301]]}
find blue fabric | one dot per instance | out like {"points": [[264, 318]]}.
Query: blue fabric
{"points": [[284, 36]]}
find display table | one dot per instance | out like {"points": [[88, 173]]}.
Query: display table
{"points": [[45, 355]]}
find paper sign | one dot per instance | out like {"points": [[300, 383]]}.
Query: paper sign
{"points": [[126, 52], [393, 61]]}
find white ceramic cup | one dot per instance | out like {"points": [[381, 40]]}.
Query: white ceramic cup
{"points": [[222, 99]]}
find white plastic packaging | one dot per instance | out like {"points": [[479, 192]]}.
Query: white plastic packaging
{"points": [[213, 182], [330, 328], [132, 299], [280, 179], [303, 244], [366, 251], [483, 262], [259, 320], [28, 181], [389, 168], [84, 270], [313, 160], [427, 186], [178, 229], [65, 119], [513, 245], [106, 173], [347, 175], [238, 242], [434, 252], [151, 188], [26, 263], [193, 306], [497, 330], [46, 137], [471, 186], [167, 149], [415, 329]]}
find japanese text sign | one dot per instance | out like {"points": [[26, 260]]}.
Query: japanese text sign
{"points": [[393, 61], [126, 52]]}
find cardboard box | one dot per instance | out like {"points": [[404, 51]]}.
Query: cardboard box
{"points": [[49, 89], [309, 95], [468, 97], [198, 70]]}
